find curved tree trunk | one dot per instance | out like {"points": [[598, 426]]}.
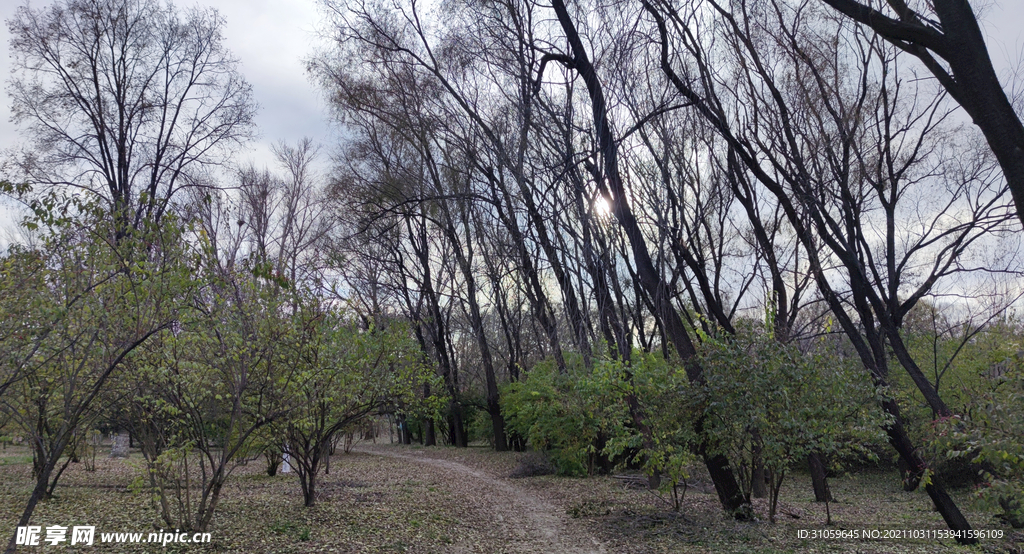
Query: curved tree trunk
{"points": [[971, 79]]}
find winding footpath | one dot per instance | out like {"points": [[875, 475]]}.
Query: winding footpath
{"points": [[538, 525]]}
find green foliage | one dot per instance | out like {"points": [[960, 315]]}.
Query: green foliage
{"points": [[74, 309], [661, 389], [991, 435], [962, 359], [761, 399], [583, 418], [768, 399], [201, 396], [974, 368], [345, 375], [563, 414], [480, 427]]}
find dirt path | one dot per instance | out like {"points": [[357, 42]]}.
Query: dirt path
{"points": [[536, 524]]}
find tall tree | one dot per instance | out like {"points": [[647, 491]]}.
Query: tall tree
{"points": [[842, 156], [718, 466], [125, 99]]}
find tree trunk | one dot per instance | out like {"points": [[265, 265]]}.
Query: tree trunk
{"points": [[309, 489], [404, 436], [465, 260], [819, 478], [457, 425], [916, 466], [490, 379], [430, 436], [437, 331], [206, 512], [38, 493], [757, 471]]}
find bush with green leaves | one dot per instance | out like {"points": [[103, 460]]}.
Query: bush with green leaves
{"points": [[565, 414], [346, 375], [480, 428], [973, 368], [761, 398], [769, 399], [991, 435], [666, 399], [75, 306], [582, 417], [205, 392]]}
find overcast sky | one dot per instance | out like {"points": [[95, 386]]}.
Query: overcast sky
{"points": [[271, 38]]}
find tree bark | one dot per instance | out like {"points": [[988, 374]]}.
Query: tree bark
{"points": [[819, 478]]}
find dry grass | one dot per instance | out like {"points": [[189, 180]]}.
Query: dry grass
{"points": [[406, 499]]}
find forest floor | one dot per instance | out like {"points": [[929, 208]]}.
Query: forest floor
{"points": [[389, 498]]}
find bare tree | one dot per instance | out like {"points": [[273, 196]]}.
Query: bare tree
{"points": [[946, 37], [124, 99], [762, 167], [648, 277], [832, 139]]}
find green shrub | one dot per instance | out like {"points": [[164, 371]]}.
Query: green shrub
{"points": [[992, 436], [769, 400], [562, 414], [480, 428]]}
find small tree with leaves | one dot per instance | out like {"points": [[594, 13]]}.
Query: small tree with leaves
{"points": [[799, 403], [215, 385], [992, 436], [87, 300], [346, 375]]}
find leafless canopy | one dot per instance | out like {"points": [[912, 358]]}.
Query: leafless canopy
{"points": [[125, 99]]}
